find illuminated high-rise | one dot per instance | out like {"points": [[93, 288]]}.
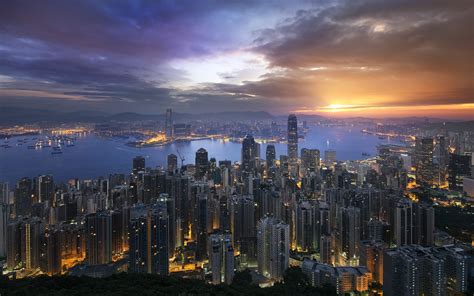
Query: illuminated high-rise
{"points": [[292, 138]]}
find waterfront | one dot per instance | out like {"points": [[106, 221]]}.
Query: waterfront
{"points": [[92, 156]]}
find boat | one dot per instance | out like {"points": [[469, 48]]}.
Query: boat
{"points": [[31, 147], [56, 152], [365, 154]]}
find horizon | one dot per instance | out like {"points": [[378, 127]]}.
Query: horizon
{"points": [[333, 59]]}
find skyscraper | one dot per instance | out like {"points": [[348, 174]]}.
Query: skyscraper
{"points": [[3, 229], [45, 189], [292, 138], [23, 197], [310, 160], [138, 164], [459, 167], [169, 124], [148, 241], [270, 155], [425, 170], [30, 243], [172, 163], [242, 221], [250, 154], [98, 233], [273, 247], [221, 257], [202, 163]]}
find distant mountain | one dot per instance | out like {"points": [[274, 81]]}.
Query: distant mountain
{"points": [[13, 115]]}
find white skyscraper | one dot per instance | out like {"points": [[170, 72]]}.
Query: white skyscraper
{"points": [[273, 246], [221, 258]]}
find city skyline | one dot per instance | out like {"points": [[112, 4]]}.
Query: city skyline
{"points": [[336, 59]]}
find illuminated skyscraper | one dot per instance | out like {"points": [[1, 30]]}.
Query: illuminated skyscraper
{"points": [[292, 138]]}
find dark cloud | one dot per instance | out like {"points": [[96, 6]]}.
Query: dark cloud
{"points": [[116, 55]]}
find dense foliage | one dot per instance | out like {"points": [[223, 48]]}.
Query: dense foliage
{"points": [[128, 284]]}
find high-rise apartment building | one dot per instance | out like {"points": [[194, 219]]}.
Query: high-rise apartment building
{"points": [[273, 246], [221, 257]]}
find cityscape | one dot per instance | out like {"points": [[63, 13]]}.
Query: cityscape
{"points": [[211, 165]]}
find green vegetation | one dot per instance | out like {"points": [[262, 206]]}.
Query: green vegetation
{"points": [[128, 284]]}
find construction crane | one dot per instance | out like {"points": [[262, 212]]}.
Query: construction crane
{"points": [[181, 157]]}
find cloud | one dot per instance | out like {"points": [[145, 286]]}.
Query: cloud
{"points": [[197, 56]]}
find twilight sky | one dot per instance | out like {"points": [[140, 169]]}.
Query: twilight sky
{"points": [[378, 58]]}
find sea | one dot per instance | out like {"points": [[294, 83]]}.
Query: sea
{"points": [[93, 156]]}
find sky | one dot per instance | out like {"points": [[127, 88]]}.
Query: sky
{"points": [[373, 58]]}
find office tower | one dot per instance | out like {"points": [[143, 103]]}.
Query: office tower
{"points": [[242, 225], [169, 124], [45, 189], [52, 251], [250, 154], [403, 223], [270, 155], [4, 215], [307, 226], [14, 245], [459, 167], [138, 164], [310, 160], [325, 249], [330, 157], [349, 231], [425, 171], [30, 243], [172, 163], [23, 197], [202, 163], [416, 270], [371, 256], [98, 234], [221, 258], [292, 138], [148, 241], [273, 246]]}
